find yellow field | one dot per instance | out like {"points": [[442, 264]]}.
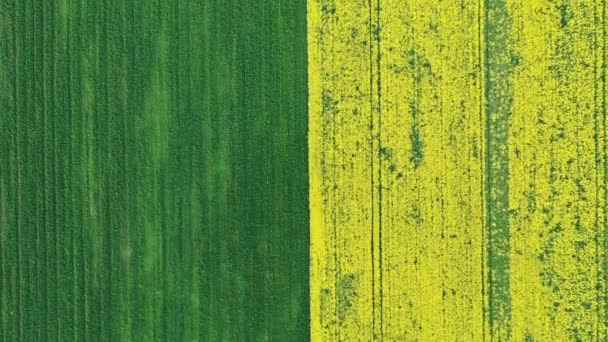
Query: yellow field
{"points": [[457, 170]]}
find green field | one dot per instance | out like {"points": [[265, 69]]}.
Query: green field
{"points": [[153, 170]]}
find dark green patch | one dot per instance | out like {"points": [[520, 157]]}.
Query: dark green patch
{"points": [[325, 300], [386, 153], [499, 62], [346, 291], [417, 147], [376, 32], [531, 199], [329, 105], [564, 13], [416, 215], [328, 7], [417, 62], [421, 67], [580, 245]]}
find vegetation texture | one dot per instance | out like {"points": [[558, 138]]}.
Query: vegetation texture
{"points": [[153, 170], [458, 170], [274, 170]]}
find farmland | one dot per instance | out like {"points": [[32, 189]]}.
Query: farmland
{"points": [[326, 170], [458, 170], [153, 170]]}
